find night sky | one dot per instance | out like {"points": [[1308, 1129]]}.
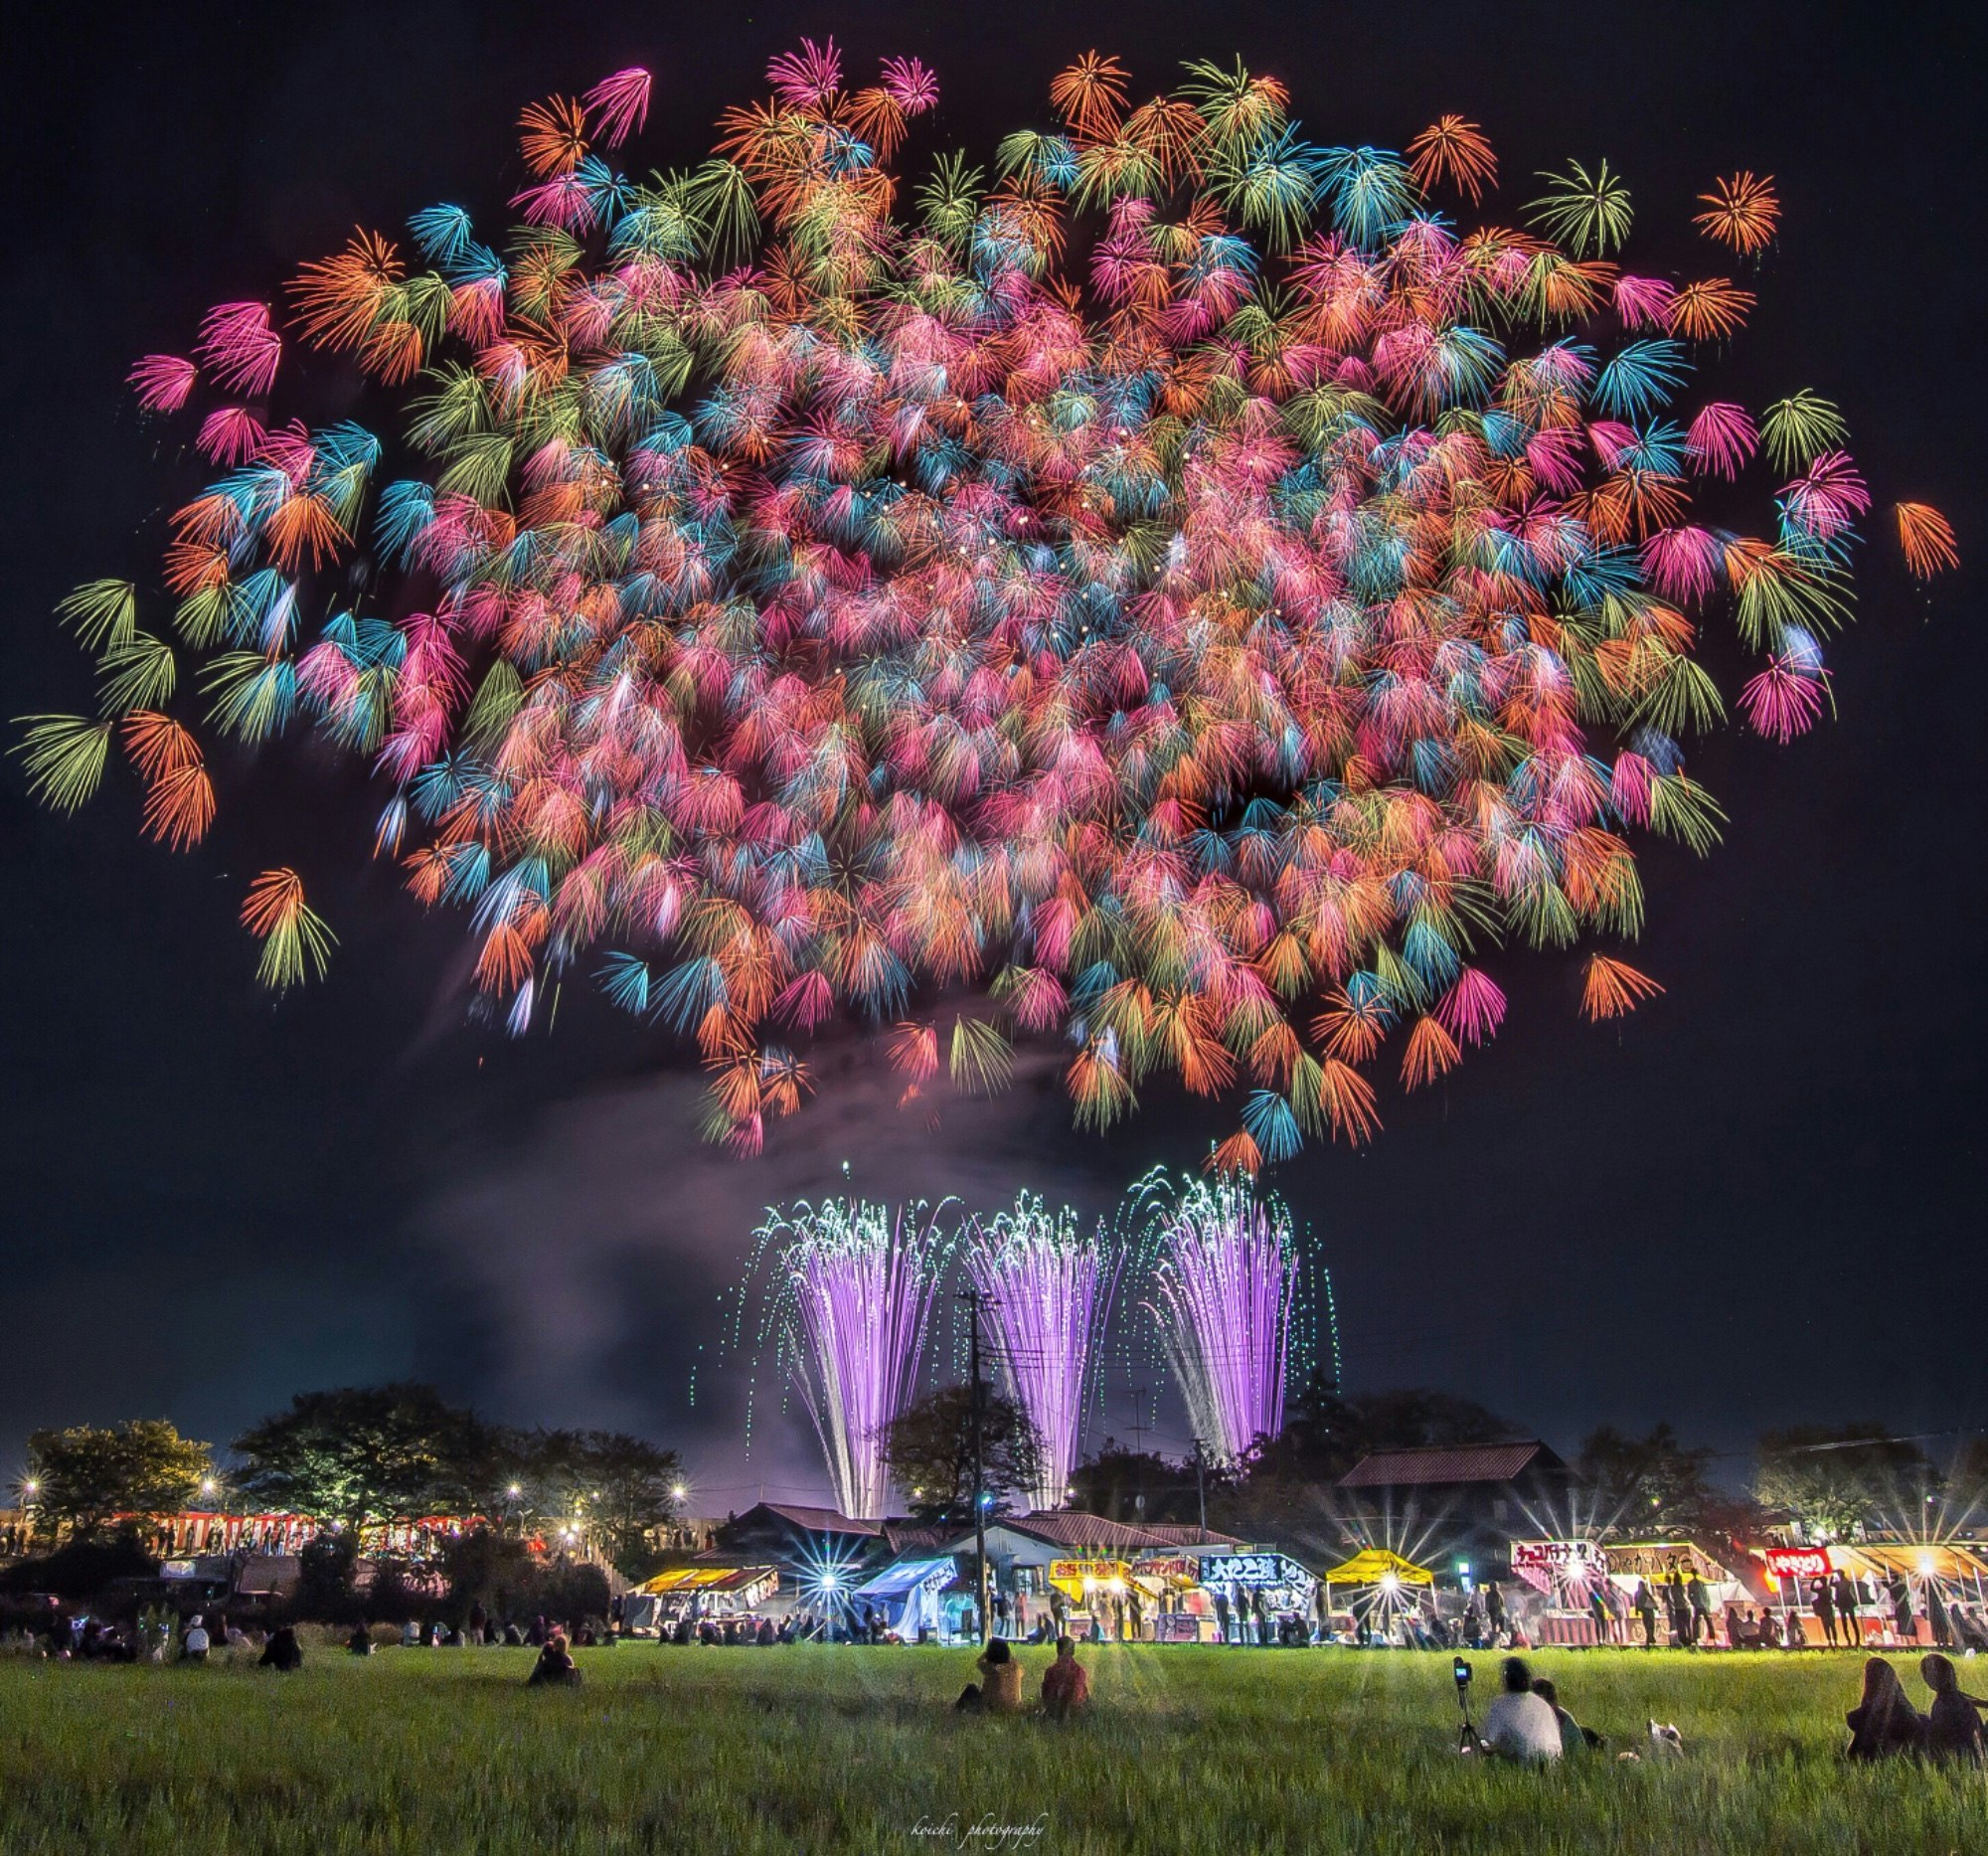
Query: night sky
{"points": [[1755, 1201]]}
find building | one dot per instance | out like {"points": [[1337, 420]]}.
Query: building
{"points": [[1448, 1505]]}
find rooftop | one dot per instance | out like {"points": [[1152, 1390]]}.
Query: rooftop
{"points": [[1443, 1465]]}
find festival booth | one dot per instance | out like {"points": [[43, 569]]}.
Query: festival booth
{"points": [[1377, 1578], [909, 1595], [1568, 1574], [1181, 1611], [699, 1592], [1239, 1580], [1956, 1568]]}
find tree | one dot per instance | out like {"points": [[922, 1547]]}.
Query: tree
{"points": [[614, 1487], [930, 1451], [327, 1580], [1139, 1486], [1647, 1485], [1838, 1481], [368, 1454], [82, 1476]]}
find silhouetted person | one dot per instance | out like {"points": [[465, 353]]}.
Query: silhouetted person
{"points": [[1954, 1724], [360, 1642], [282, 1652], [1846, 1609], [1903, 1621], [555, 1667], [1883, 1724], [1824, 1607], [1938, 1617], [1646, 1610]]}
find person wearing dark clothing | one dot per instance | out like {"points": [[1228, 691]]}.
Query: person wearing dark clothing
{"points": [[1597, 1608], [555, 1667], [1221, 1612], [360, 1642], [1646, 1610], [1824, 1607], [1883, 1724], [1903, 1621], [1262, 1614], [1845, 1610], [1954, 1724], [1936, 1616], [1702, 1625], [479, 1621], [1494, 1607], [282, 1650]]}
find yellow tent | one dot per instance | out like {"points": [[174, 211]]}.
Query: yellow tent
{"points": [[1373, 1565]]}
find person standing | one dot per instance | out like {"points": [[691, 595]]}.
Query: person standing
{"points": [[1702, 1621], [1646, 1610], [1221, 1612], [1494, 1608], [1824, 1607], [1903, 1621], [1937, 1615], [1846, 1609]]}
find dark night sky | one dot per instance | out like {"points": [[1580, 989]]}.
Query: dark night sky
{"points": [[1757, 1200]]}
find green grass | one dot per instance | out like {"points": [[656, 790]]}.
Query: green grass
{"points": [[716, 1751]]}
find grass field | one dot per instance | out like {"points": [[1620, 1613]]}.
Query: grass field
{"points": [[813, 1748]]}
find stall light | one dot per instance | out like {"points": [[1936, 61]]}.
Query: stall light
{"points": [[1390, 1583], [206, 1485], [30, 1489], [514, 1491], [1925, 1565]]}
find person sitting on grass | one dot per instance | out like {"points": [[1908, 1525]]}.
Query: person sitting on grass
{"points": [[282, 1652], [999, 1690], [1518, 1725], [555, 1667], [360, 1642], [1066, 1683], [1883, 1724], [1954, 1724], [1574, 1738], [194, 1649]]}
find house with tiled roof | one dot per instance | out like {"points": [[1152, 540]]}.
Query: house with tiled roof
{"points": [[1462, 1503]]}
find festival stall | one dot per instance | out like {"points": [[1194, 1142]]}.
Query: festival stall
{"points": [[1568, 1574], [700, 1591], [1956, 1569], [907, 1596], [1180, 1609], [1380, 1583]]}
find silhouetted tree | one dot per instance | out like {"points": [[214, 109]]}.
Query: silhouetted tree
{"points": [[930, 1453]]}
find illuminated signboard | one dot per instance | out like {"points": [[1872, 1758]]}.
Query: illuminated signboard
{"points": [[1569, 1559], [1254, 1570], [1798, 1561]]}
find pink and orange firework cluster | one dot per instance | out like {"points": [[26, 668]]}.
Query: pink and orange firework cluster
{"points": [[1177, 593]]}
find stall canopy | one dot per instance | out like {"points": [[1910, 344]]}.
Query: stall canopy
{"points": [[1914, 1559], [906, 1594], [739, 1580], [1373, 1565]]}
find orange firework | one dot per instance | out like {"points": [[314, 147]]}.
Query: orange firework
{"points": [[1927, 538], [1455, 150], [1090, 94], [1744, 212], [1614, 989]]}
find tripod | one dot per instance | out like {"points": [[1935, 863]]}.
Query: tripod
{"points": [[1466, 1732]]}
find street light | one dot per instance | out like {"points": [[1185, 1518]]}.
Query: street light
{"points": [[678, 1491]]}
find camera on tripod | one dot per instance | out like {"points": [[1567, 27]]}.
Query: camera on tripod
{"points": [[1466, 1733]]}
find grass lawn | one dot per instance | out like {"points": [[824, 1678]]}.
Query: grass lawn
{"points": [[816, 1748]]}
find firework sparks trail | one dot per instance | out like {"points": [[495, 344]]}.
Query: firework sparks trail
{"points": [[1225, 1273], [1050, 1290], [851, 1296], [1185, 599]]}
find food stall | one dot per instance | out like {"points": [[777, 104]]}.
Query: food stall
{"points": [[1380, 1584], [1957, 1569], [1565, 1573], [698, 1592]]}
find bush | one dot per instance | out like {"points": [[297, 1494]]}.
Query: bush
{"points": [[82, 1567], [325, 1580]]}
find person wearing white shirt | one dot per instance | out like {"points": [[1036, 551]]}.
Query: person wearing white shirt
{"points": [[1518, 1725], [195, 1647]]}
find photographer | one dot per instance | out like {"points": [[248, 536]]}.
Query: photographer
{"points": [[1518, 1725]]}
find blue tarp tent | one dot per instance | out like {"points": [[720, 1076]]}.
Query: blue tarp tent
{"points": [[906, 1594]]}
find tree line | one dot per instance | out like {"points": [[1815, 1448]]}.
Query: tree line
{"points": [[363, 1456]]}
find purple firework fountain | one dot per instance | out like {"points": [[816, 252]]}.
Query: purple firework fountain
{"points": [[1048, 1291], [853, 1291], [1224, 1274]]}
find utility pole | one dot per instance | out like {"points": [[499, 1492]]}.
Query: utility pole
{"points": [[1201, 1483], [971, 1297], [1139, 1450]]}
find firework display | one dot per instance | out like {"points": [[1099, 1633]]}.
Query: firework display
{"points": [[1048, 1290], [1224, 1291], [852, 1289], [1174, 590]]}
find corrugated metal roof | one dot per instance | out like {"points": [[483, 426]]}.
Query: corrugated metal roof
{"points": [[1442, 1465]]}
